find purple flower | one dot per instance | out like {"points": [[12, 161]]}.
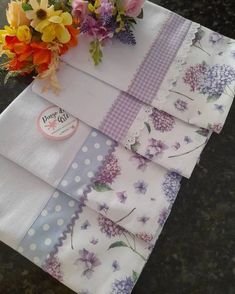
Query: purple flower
{"points": [[233, 53], [115, 266], [94, 241], [122, 196], [163, 216], [210, 80], [85, 225], [103, 207], [215, 127], [53, 267], [109, 171], [141, 161], [124, 286], [89, 260], [126, 36], [140, 187], [108, 227], [162, 121], [143, 219], [105, 9], [155, 148], [214, 38], [193, 74], [176, 146], [171, 185], [145, 237], [187, 140], [181, 105]]}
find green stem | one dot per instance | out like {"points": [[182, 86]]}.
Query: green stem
{"points": [[134, 249], [185, 153], [200, 48], [121, 219], [182, 95]]}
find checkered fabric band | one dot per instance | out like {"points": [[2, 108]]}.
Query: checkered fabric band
{"points": [[120, 117], [153, 69], [147, 80]]}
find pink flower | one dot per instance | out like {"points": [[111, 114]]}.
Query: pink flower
{"points": [[133, 7], [80, 9]]}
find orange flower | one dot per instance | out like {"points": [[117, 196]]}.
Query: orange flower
{"points": [[73, 40], [41, 55]]}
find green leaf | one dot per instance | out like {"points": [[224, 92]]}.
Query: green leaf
{"points": [[100, 187], [141, 15], [135, 276], [11, 74], [96, 51], [213, 98], [148, 127], [135, 146], [117, 244], [26, 6]]}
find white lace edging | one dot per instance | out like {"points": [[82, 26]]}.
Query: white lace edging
{"points": [[177, 66], [171, 77], [138, 125]]}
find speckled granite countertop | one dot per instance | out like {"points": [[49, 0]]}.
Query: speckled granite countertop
{"points": [[195, 253]]}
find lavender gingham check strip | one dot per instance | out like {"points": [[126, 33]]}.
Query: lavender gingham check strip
{"points": [[153, 69], [147, 80], [120, 117]]}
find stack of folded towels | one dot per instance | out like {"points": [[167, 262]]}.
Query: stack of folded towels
{"points": [[89, 175]]}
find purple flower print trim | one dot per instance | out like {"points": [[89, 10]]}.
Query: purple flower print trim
{"points": [[124, 286], [142, 162], [181, 105], [162, 121], [109, 171], [141, 187], [109, 228], [155, 148], [171, 186], [89, 260], [53, 267]]}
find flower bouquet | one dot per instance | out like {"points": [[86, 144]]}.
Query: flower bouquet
{"points": [[103, 20], [40, 31]]}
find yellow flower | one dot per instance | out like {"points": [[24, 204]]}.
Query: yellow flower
{"points": [[8, 31], [24, 34], [54, 28], [40, 11], [16, 15]]}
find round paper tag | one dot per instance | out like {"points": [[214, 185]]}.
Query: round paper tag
{"points": [[56, 124]]}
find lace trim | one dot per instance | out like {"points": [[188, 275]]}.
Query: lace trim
{"points": [[177, 66], [173, 73], [138, 125]]}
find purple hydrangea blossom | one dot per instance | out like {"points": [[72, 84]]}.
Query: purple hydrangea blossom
{"points": [[193, 75], [105, 9], [171, 185], [124, 286], [210, 80], [140, 187], [162, 121], [181, 105], [53, 267], [109, 171], [108, 227], [215, 79], [89, 260]]}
